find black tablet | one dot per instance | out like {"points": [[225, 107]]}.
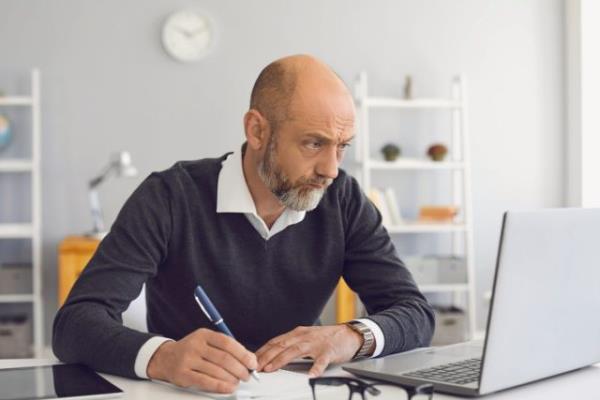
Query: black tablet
{"points": [[65, 381]]}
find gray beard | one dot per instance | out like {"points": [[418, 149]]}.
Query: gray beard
{"points": [[297, 198]]}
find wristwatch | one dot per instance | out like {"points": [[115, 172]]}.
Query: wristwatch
{"points": [[368, 339]]}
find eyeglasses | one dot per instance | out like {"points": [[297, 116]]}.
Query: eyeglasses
{"points": [[326, 387]]}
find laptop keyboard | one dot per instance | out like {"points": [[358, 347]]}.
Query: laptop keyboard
{"points": [[462, 372]]}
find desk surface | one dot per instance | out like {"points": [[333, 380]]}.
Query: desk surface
{"points": [[583, 383]]}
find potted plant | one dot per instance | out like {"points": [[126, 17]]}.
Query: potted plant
{"points": [[437, 152], [391, 152]]}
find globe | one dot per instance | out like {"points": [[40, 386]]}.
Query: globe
{"points": [[5, 134]]}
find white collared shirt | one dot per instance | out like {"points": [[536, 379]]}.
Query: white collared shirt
{"points": [[233, 196]]}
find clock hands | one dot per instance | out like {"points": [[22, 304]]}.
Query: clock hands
{"points": [[187, 35], [190, 34]]}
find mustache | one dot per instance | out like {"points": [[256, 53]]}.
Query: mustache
{"points": [[325, 182]]}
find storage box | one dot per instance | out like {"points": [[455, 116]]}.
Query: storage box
{"points": [[423, 269], [452, 269], [437, 269], [15, 336], [450, 326], [15, 279]]}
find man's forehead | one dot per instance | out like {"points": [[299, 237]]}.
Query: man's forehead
{"points": [[332, 125], [332, 119], [331, 137], [338, 133], [333, 112]]}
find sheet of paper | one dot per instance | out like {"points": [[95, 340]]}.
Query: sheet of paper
{"points": [[280, 384]]}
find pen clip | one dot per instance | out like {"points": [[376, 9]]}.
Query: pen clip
{"points": [[202, 307]]}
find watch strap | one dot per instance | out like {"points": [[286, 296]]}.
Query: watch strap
{"points": [[368, 339]]}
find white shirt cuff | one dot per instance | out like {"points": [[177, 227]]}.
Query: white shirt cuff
{"points": [[377, 333], [145, 354]]}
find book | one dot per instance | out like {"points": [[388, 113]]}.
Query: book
{"points": [[438, 213], [377, 198], [393, 206]]}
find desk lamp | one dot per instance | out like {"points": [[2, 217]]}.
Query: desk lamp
{"points": [[121, 166]]}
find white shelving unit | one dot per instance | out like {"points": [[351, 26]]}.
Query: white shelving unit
{"points": [[31, 229], [15, 166], [17, 101], [407, 163], [458, 165]]}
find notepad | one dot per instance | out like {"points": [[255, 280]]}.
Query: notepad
{"points": [[281, 385], [278, 385]]}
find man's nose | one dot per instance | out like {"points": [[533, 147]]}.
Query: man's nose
{"points": [[328, 165]]}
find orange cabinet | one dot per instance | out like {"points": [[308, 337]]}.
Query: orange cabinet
{"points": [[345, 306], [74, 252]]}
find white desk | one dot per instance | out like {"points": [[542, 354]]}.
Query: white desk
{"points": [[581, 384]]}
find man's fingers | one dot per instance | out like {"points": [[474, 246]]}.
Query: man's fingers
{"points": [[226, 361], [233, 347], [318, 367], [269, 354], [296, 350], [298, 331], [214, 371], [278, 344], [193, 379]]}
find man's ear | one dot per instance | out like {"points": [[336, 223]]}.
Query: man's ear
{"points": [[256, 128]]}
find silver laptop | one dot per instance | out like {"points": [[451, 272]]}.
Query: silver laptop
{"points": [[544, 316]]}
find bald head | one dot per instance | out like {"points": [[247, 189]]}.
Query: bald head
{"points": [[292, 79], [300, 122]]}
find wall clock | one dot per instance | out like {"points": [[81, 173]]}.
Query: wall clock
{"points": [[187, 36]]}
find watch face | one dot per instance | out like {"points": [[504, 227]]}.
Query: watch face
{"points": [[187, 36]]}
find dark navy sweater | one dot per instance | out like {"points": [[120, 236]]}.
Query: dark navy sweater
{"points": [[169, 236]]}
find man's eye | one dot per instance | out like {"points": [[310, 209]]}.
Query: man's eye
{"points": [[314, 145], [343, 147]]}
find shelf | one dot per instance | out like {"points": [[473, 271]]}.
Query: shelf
{"points": [[421, 227], [16, 298], [28, 228], [16, 231], [16, 101], [444, 287], [415, 163], [16, 165], [390, 102], [453, 108]]}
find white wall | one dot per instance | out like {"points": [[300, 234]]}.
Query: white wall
{"points": [[582, 89], [108, 85]]}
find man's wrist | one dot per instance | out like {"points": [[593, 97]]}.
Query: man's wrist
{"points": [[356, 337], [145, 353], [377, 334], [368, 341], [155, 368]]}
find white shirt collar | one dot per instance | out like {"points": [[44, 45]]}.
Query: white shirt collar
{"points": [[233, 196]]}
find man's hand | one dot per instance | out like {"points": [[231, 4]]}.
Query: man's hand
{"points": [[324, 344], [205, 360]]}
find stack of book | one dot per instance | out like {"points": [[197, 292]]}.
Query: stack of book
{"points": [[386, 202]]}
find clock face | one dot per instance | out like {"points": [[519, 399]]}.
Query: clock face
{"points": [[187, 35]]}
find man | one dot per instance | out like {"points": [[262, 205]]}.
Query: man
{"points": [[267, 232]]}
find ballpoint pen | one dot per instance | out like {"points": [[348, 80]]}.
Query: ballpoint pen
{"points": [[213, 316]]}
